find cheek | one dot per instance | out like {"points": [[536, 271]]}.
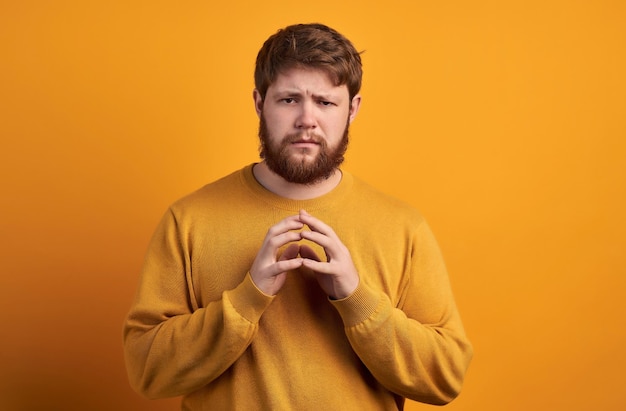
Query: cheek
{"points": [[337, 126], [276, 121]]}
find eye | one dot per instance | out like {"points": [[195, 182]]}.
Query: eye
{"points": [[288, 100], [326, 103]]}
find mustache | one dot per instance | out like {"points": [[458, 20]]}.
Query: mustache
{"points": [[309, 137]]}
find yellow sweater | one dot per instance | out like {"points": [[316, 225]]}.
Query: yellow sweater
{"points": [[200, 328]]}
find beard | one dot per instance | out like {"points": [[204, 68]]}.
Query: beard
{"points": [[301, 170]]}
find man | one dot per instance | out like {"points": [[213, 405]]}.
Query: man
{"points": [[291, 284]]}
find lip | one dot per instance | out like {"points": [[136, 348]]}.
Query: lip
{"points": [[304, 143]]}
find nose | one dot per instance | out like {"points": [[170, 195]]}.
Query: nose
{"points": [[306, 117]]}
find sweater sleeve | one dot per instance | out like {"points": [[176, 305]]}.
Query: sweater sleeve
{"points": [[419, 349], [171, 346]]}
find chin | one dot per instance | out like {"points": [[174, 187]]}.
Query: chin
{"points": [[303, 157]]}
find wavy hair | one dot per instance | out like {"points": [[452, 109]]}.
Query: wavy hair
{"points": [[309, 46]]}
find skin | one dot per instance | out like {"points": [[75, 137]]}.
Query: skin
{"points": [[304, 101]]}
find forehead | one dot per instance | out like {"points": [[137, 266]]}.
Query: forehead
{"points": [[306, 81]]}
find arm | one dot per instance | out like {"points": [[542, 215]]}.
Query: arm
{"points": [[418, 349], [172, 346]]}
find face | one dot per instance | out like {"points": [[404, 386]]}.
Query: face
{"points": [[304, 125]]}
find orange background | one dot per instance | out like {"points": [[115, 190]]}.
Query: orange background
{"points": [[502, 121]]}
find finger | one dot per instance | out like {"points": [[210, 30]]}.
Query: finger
{"points": [[333, 247], [284, 266], [285, 225], [268, 254], [318, 238], [308, 253], [290, 252], [318, 266], [315, 224], [275, 242]]}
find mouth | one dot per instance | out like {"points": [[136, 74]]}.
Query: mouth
{"points": [[305, 143], [309, 140]]}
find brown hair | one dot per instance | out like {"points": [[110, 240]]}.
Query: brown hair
{"points": [[309, 45]]}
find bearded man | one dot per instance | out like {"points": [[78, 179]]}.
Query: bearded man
{"points": [[291, 284]]}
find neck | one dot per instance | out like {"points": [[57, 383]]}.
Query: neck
{"points": [[279, 186]]}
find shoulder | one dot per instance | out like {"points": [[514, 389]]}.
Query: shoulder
{"points": [[383, 206], [212, 196]]}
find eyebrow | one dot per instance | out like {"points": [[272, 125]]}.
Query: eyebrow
{"points": [[297, 93]]}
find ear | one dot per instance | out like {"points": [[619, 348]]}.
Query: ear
{"points": [[258, 102], [354, 107]]}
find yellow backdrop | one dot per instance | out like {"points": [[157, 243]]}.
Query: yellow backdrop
{"points": [[502, 121]]}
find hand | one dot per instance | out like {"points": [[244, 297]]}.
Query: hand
{"points": [[268, 270], [337, 276]]}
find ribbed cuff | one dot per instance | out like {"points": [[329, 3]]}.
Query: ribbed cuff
{"points": [[248, 300], [358, 306]]}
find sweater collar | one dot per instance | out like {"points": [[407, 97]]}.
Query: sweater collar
{"points": [[333, 197]]}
